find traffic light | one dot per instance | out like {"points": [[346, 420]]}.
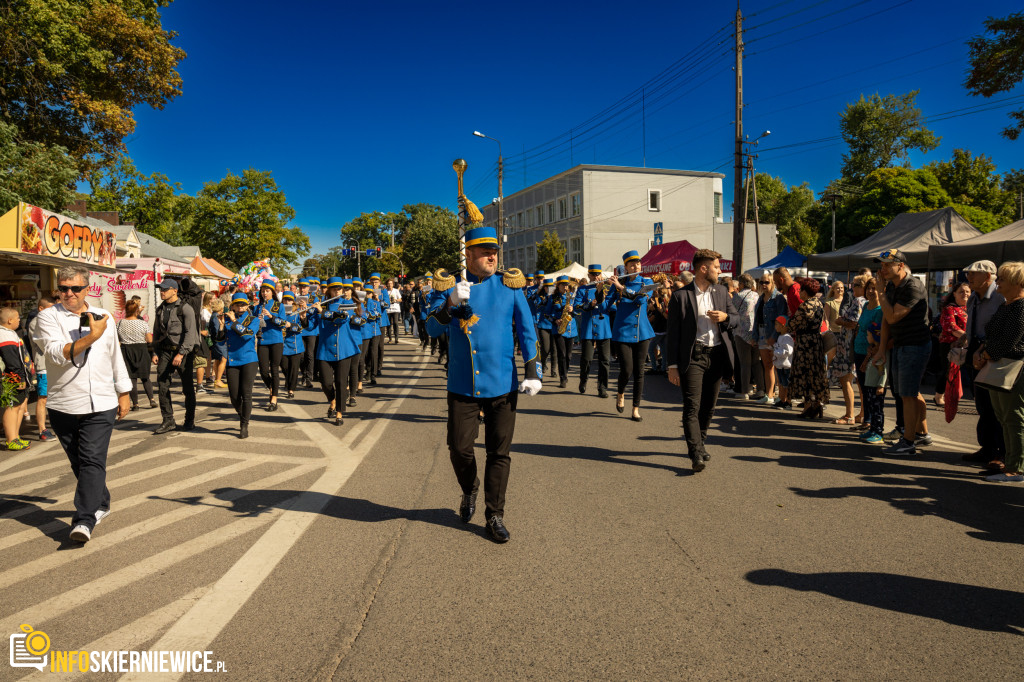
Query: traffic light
{"points": [[379, 251]]}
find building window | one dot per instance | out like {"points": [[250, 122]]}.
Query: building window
{"points": [[563, 208], [654, 200], [574, 204], [551, 211], [519, 220], [530, 264], [519, 259], [539, 216], [718, 205], [565, 247], [529, 218], [576, 249]]}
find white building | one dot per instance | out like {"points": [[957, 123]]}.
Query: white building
{"points": [[601, 212]]}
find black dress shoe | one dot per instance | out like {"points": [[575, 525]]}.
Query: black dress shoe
{"points": [[373, 381], [980, 457], [351, 402], [496, 529], [601, 393], [189, 425], [706, 456], [636, 418], [331, 413], [359, 391], [468, 506], [621, 408], [583, 387], [338, 420], [563, 383], [165, 427], [243, 431], [698, 463]]}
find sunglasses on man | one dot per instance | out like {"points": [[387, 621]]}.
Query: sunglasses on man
{"points": [[76, 288]]}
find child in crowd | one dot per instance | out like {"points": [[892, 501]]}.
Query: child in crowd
{"points": [[783, 361], [874, 387], [40, 362], [16, 361]]}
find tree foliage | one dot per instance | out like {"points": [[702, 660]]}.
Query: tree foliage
{"points": [[430, 238], [34, 173], [243, 218], [997, 64], [972, 181], [788, 209], [550, 253], [71, 72], [153, 204], [368, 231], [881, 132]]}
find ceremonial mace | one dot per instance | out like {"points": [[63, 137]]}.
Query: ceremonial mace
{"points": [[460, 166]]}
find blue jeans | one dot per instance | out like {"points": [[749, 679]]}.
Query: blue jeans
{"points": [[657, 343], [908, 365]]}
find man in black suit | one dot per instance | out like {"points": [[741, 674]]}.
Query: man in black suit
{"points": [[699, 348]]}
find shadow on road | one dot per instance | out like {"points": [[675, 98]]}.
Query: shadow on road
{"points": [[970, 606], [596, 454]]}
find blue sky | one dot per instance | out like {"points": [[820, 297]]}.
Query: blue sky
{"points": [[362, 106]]}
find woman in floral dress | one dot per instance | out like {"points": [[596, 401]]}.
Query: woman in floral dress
{"points": [[843, 369], [807, 377]]}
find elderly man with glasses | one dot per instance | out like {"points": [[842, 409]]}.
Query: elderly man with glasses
{"points": [[88, 391]]}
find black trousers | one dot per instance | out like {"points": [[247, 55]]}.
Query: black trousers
{"points": [[377, 353], [290, 367], [563, 348], [270, 365], [363, 367], [335, 380], [421, 327], [85, 438], [164, 371], [632, 357], [546, 349], [240, 381], [604, 352], [147, 386], [392, 328], [463, 428], [874, 409], [310, 368], [989, 430], [750, 370], [699, 384]]}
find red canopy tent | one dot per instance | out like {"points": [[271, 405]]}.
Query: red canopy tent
{"points": [[673, 258]]}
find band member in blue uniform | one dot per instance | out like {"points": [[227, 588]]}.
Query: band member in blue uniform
{"points": [[592, 302], [355, 332], [483, 373], [373, 334], [310, 371], [239, 331], [294, 348], [336, 349], [547, 350], [382, 323], [632, 331], [534, 284], [558, 313], [271, 339], [423, 310]]}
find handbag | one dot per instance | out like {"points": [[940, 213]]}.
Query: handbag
{"points": [[999, 375], [954, 391]]}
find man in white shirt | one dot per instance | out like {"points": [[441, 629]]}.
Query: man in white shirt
{"points": [[88, 390], [699, 348], [394, 304]]}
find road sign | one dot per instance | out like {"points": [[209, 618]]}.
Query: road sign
{"points": [[370, 252], [344, 252], [657, 240], [659, 233]]}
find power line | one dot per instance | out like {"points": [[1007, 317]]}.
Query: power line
{"points": [[827, 30]]}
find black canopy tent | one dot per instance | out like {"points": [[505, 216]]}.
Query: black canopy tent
{"points": [[911, 233], [998, 246]]}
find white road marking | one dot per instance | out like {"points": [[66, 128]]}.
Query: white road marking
{"points": [[201, 625]]}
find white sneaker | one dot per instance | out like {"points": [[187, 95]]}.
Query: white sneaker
{"points": [[102, 514], [766, 400], [81, 533]]}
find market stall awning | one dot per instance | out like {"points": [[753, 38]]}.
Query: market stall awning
{"points": [[999, 246], [673, 258], [208, 267], [20, 257]]}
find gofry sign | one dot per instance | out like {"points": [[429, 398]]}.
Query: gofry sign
{"points": [[38, 231]]}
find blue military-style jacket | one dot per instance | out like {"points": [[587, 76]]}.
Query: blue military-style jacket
{"points": [[482, 358], [540, 302], [309, 329], [241, 339], [631, 323], [273, 325], [531, 299], [595, 321], [293, 344], [338, 331], [553, 312], [371, 312], [425, 299]]}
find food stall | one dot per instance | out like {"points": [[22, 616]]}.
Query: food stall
{"points": [[134, 277], [35, 242]]}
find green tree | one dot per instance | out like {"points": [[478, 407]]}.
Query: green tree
{"points": [[243, 218], [887, 193], [72, 72], [881, 132], [1013, 183], [430, 238], [153, 204], [368, 231], [550, 253], [972, 181], [34, 173], [788, 209], [997, 64]]}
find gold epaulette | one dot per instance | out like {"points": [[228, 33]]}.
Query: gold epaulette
{"points": [[513, 278], [442, 280]]}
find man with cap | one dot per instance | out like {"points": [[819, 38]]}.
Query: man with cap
{"points": [[558, 311], [543, 324], [984, 301], [239, 333], [423, 310], [308, 368], [595, 329], [483, 374], [905, 323], [174, 336], [294, 347]]}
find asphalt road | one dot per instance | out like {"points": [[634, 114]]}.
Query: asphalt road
{"points": [[318, 552]]}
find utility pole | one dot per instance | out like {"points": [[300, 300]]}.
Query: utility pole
{"points": [[501, 210], [833, 198], [737, 184]]}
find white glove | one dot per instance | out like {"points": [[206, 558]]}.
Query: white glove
{"points": [[460, 293], [530, 386]]}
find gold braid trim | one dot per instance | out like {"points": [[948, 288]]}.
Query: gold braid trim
{"points": [[442, 280], [513, 278], [466, 324]]}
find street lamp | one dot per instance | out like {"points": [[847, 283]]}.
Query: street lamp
{"points": [[501, 215]]}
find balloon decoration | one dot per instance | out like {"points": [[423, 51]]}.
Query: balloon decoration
{"points": [[251, 276]]}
